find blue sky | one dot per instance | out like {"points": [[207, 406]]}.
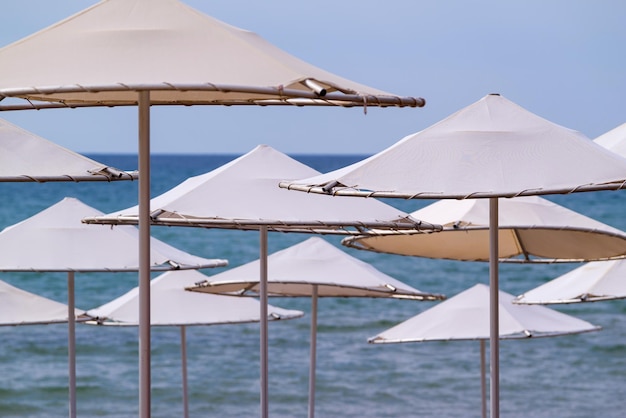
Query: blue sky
{"points": [[563, 60]]}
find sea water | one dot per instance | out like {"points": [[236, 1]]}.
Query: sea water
{"points": [[570, 376]]}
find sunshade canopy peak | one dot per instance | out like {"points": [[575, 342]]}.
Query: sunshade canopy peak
{"points": [[119, 47], [465, 316], [492, 148], [591, 282], [26, 157], [20, 307], [173, 306], [55, 239], [294, 272], [248, 197], [614, 140]]}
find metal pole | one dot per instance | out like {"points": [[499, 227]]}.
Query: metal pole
{"points": [[144, 254], [483, 381], [312, 364], [71, 341], [183, 354], [494, 331], [263, 323]]}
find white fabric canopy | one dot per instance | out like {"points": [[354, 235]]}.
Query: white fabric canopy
{"points": [[172, 305], [55, 239], [614, 140], [592, 282], [19, 307], [244, 194], [102, 55], [294, 271], [26, 157], [465, 316], [492, 148], [531, 229]]}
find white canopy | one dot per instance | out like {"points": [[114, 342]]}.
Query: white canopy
{"points": [[244, 194], [614, 140], [55, 239], [592, 282], [172, 305], [492, 148], [102, 55], [466, 317], [19, 307], [531, 229], [26, 157], [294, 271]]}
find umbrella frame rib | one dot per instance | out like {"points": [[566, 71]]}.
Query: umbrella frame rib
{"points": [[340, 190], [275, 96], [316, 227]]}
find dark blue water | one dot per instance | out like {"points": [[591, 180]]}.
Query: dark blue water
{"points": [[573, 376]]}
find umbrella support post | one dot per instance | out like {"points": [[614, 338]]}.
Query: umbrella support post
{"points": [[71, 341], [483, 380], [263, 319], [183, 362], [312, 364], [144, 254], [494, 330]]}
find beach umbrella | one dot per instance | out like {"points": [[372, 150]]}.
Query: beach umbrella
{"points": [[614, 140], [592, 282], [465, 316], [173, 306], [490, 149], [249, 199], [157, 52], [55, 240], [19, 307], [313, 268], [531, 229]]}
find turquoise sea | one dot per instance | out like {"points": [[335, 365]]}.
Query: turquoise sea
{"points": [[573, 376]]}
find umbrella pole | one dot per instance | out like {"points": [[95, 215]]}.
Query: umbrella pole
{"points": [[71, 341], [183, 357], [144, 253], [494, 331], [483, 381], [263, 319], [312, 365]]}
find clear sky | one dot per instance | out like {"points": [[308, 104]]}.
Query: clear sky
{"points": [[564, 60]]}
